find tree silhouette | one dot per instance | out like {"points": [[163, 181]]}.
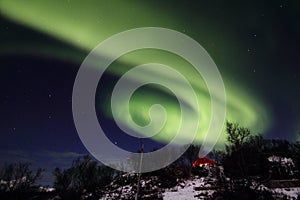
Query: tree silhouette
{"points": [[245, 161], [84, 176], [236, 135], [18, 181]]}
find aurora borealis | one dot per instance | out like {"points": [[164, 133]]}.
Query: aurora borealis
{"points": [[254, 44]]}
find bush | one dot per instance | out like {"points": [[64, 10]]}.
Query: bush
{"points": [[200, 171], [17, 181], [18, 177], [84, 176]]}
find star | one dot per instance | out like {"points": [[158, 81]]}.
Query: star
{"points": [[49, 115], [13, 130]]}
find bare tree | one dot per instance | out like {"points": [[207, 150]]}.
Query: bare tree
{"points": [[19, 177]]}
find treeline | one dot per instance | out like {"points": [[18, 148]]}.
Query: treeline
{"points": [[251, 160], [248, 161]]}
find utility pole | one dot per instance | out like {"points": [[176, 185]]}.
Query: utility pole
{"points": [[140, 169]]}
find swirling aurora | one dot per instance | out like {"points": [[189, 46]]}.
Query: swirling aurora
{"points": [[84, 25]]}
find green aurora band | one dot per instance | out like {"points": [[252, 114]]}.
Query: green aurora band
{"points": [[85, 24]]}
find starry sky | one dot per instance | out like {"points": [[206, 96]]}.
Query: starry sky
{"points": [[255, 45]]}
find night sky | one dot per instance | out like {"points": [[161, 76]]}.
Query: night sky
{"points": [[255, 45]]}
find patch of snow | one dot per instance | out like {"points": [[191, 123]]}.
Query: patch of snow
{"points": [[282, 160], [292, 193], [191, 189], [46, 189]]}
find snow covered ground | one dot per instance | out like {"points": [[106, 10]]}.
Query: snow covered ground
{"points": [[200, 188], [292, 193], [191, 189]]}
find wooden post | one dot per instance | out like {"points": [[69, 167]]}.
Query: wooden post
{"points": [[139, 172]]}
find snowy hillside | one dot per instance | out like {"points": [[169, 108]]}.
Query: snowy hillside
{"points": [[196, 188]]}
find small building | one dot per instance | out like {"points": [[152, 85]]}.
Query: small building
{"points": [[201, 162], [205, 167]]}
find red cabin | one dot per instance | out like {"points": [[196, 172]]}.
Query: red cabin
{"points": [[200, 162]]}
